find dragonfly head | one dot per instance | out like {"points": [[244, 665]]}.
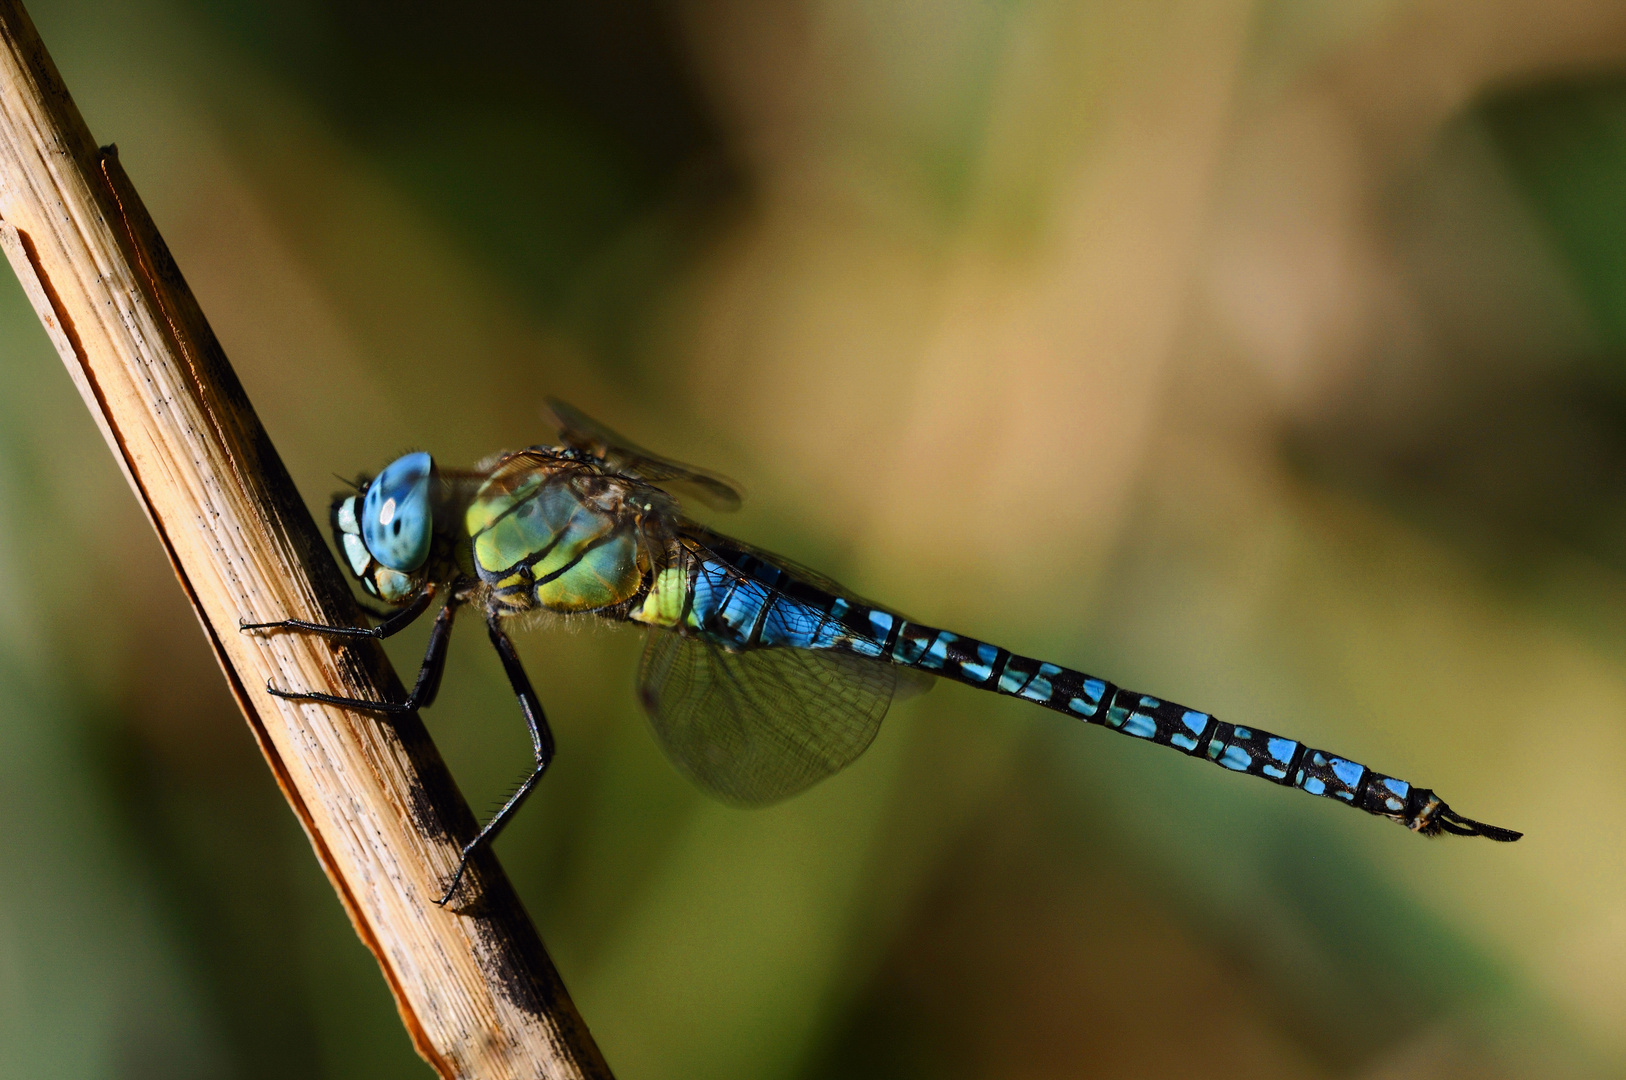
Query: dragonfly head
{"points": [[387, 530]]}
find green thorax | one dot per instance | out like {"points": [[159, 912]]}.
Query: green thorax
{"points": [[558, 534]]}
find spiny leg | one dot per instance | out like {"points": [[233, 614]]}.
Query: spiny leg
{"points": [[541, 748], [423, 691], [394, 621]]}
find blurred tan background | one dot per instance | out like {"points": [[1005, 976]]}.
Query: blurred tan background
{"points": [[1268, 356]]}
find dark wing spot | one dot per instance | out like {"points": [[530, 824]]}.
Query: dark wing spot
{"points": [[397, 527]]}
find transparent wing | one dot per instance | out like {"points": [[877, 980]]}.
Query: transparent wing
{"points": [[757, 726], [581, 432]]}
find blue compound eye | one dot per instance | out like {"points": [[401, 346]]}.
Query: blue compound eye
{"points": [[395, 516]]}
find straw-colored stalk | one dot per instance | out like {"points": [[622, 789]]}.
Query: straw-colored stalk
{"points": [[473, 982]]}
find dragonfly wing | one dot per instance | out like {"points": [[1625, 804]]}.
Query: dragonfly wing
{"points": [[756, 726], [581, 432]]}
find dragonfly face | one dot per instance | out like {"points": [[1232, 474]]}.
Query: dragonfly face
{"points": [[386, 532]]}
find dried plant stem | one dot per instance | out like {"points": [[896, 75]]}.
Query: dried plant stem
{"points": [[474, 985]]}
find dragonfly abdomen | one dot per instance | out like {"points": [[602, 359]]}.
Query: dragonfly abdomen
{"points": [[739, 601], [1248, 750]]}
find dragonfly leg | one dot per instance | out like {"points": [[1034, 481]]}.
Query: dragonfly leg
{"points": [[423, 691], [541, 749], [394, 621]]}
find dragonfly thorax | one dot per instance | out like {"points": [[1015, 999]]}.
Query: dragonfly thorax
{"points": [[565, 533]]}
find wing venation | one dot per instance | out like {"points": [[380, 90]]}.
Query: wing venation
{"points": [[581, 432], [757, 726]]}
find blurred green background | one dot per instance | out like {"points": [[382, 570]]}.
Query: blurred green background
{"points": [[1269, 356]]}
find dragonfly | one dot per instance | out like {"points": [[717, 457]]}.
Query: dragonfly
{"points": [[760, 677]]}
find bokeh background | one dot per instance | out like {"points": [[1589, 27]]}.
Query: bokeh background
{"points": [[1269, 356]]}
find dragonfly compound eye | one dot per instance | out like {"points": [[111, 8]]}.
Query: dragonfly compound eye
{"points": [[395, 514]]}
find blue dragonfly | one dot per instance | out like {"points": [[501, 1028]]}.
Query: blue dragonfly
{"points": [[760, 676]]}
